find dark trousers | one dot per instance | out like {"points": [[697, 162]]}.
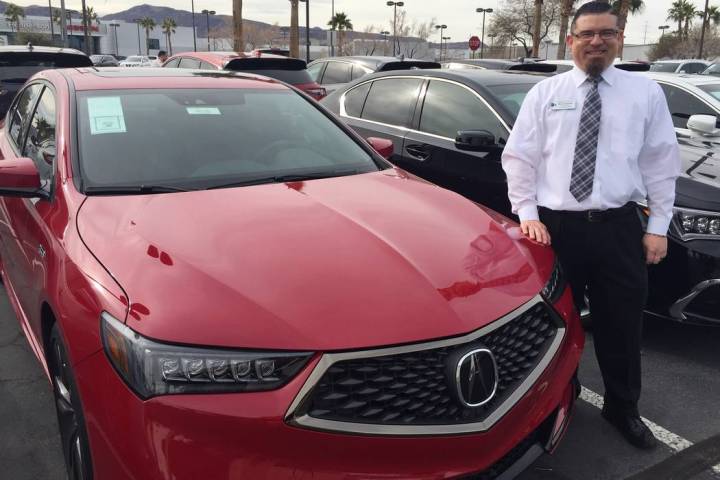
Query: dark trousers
{"points": [[603, 256]]}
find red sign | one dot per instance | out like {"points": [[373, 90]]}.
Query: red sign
{"points": [[474, 43]]}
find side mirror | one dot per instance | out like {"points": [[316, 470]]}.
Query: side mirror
{"points": [[19, 177], [703, 124], [475, 140], [383, 146]]}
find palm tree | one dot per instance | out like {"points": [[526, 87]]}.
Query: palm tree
{"points": [[56, 14], [92, 16], [537, 27], [294, 31], [675, 14], [622, 7], [238, 44], [340, 22], [713, 15], [168, 26], [13, 13], [565, 10], [148, 24]]}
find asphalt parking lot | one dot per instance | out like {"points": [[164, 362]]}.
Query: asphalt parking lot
{"points": [[681, 393]]}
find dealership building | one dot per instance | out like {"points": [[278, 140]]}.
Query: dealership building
{"points": [[108, 36]]}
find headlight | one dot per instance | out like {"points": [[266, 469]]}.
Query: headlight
{"points": [[691, 224], [556, 284], [151, 368]]}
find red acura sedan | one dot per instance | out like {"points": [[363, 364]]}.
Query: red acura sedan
{"points": [[222, 281]]}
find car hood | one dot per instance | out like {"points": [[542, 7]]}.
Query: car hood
{"points": [[351, 262], [699, 184]]}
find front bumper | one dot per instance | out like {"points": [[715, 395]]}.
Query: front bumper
{"points": [[233, 436], [686, 286]]}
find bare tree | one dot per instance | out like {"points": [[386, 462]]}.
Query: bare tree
{"points": [[516, 22], [416, 36], [369, 40]]}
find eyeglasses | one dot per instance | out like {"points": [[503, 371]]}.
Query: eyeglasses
{"points": [[587, 35]]}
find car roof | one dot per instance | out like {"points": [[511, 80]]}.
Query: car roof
{"points": [[684, 78], [39, 49], [375, 62], [118, 78], [683, 60], [482, 78]]}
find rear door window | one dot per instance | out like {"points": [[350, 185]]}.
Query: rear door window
{"points": [[392, 101], [21, 112], [449, 108], [355, 100], [315, 70], [188, 62], [337, 72], [174, 63], [207, 66]]}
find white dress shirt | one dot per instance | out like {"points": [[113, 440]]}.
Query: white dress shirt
{"points": [[637, 154]]}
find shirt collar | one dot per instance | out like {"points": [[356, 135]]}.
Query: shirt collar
{"points": [[579, 76]]}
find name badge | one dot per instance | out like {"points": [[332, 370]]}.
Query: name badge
{"points": [[562, 105]]}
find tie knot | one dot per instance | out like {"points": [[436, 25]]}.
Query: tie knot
{"points": [[594, 80]]}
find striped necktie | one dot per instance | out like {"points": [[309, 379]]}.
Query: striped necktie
{"points": [[583, 169]]}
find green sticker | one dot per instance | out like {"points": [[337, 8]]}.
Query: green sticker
{"points": [[106, 115], [203, 110]]}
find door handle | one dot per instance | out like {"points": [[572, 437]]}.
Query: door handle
{"points": [[418, 152]]}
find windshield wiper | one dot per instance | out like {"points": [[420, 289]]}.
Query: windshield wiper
{"points": [[286, 178], [133, 189]]}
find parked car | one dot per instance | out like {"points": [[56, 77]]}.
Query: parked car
{"points": [[104, 61], [257, 52], [333, 72], [689, 95], [289, 70], [679, 66], [494, 64], [203, 302], [450, 126], [137, 61], [20, 62]]}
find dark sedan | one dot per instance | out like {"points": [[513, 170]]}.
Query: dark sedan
{"points": [[450, 127]]}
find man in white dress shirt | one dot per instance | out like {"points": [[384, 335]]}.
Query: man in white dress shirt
{"points": [[587, 145]]}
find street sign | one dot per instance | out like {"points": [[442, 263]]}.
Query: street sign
{"points": [[474, 43]]}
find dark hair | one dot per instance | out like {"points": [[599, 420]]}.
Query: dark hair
{"points": [[592, 8], [161, 53]]}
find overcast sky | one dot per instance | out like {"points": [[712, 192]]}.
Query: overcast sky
{"points": [[458, 15]]}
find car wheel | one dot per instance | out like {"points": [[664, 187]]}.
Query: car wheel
{"points": [[71, 421]]}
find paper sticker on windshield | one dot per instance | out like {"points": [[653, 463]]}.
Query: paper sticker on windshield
{"points": [[203, 110], [106, 115]]}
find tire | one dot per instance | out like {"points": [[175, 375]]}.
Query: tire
{"points": [[71, 421]]}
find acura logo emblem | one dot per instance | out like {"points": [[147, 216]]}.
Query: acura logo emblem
{"points": [[476, 377]]}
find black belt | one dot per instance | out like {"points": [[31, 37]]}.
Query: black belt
{"points": [[594, 215]]}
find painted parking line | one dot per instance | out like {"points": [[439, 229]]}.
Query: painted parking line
{"points": [[673, 441]]}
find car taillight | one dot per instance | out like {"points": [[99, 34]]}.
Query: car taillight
{"points": [[316, 93]]}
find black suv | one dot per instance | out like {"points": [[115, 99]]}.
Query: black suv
{"points": [[18, 63], [450, 127]]}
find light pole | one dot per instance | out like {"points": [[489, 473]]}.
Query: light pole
{"points": [[395, 5], [137, 22], [385, 34], [482, 38], [662, 29], [307, 30], [192, 8], [492, 41], [446, 47], [63, 24], [52, 27], [115, 25], [441, 28], [207, 14]]}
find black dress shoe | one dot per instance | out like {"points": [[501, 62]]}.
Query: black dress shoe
{"points": [[632, 428]]}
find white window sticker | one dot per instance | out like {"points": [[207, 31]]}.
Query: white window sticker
{"points": [[203, 110], [106, 115]]}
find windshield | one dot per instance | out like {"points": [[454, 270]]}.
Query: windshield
{"points": [[713, 89], [204, 138], [511, 95], [664, 67]]}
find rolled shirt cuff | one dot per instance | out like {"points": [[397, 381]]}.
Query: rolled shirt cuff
{"points": [[528, 212], [658, 225]]}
